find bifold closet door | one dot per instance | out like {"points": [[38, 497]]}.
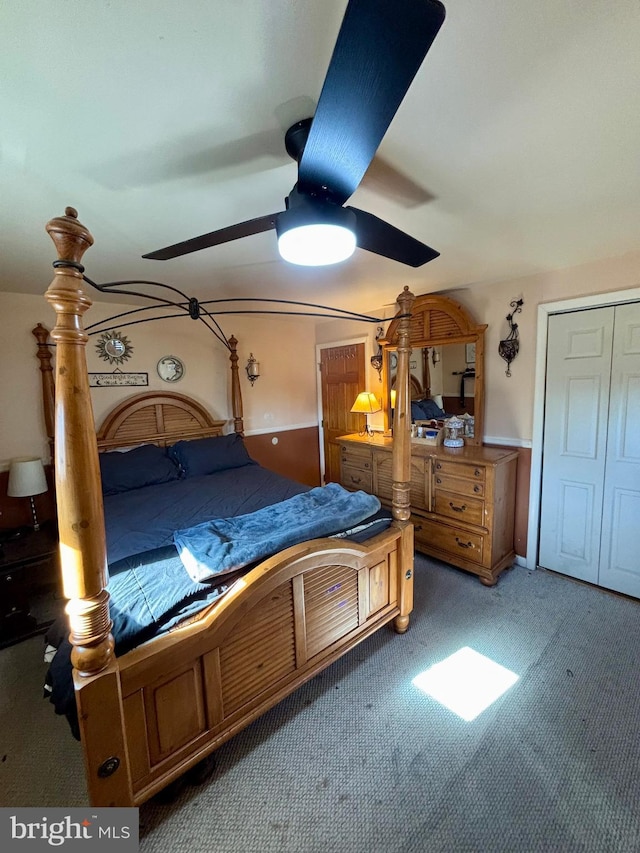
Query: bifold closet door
{"points": [[620, 548], [575, 441], [590, 501]]}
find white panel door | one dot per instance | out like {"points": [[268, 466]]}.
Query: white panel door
{"points": [[620, 551], [575, 441]]}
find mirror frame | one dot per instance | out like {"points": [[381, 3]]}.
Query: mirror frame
{"points": [[437, 320]]}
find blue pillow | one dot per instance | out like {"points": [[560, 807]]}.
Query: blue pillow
{"points": [[142, 466], [416, 412], [202, 456], [424, 410]]}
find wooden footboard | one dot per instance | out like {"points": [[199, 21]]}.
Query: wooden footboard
{"points": [[174, 700]]}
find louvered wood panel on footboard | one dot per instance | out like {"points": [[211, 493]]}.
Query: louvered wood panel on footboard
{"points": [[187, 698], [330, 606], [259, 652]]}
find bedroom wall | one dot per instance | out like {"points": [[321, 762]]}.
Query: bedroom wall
{"points": [[283, 402], [281, 405], [509, 400]]}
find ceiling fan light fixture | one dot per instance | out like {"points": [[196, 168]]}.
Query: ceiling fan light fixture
{"points": [[316, 235]]}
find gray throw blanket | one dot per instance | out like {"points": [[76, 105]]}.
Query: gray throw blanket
{"points": [[227, 544]]}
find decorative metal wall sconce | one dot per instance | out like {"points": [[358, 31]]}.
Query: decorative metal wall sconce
{"points": [[435, 356], [509, 347], [376, 360], [252, 368]]}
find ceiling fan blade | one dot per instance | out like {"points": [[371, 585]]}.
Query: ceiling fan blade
{"points": [[214, 238], [380, 46], [376, 235], [383, 178]]}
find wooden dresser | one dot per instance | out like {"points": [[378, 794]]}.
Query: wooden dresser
{"points": [[462, 499]]}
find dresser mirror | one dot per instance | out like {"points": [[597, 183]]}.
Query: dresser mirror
{"points": [[446, 364]]}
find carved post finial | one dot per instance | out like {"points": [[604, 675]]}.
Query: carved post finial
{"points": [[70, 236]]}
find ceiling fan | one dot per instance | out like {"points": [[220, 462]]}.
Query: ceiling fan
{"points": [[379, 49]]}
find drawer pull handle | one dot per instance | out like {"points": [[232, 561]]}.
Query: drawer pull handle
{"points": [[455, 508], [464, 544], [477, 489], [438, 480], [417, 527], [356, 479], [478, 472], [438, 466]]}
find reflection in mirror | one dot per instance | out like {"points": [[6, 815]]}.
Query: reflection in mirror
{"points": [[443, 375], [446, 364]]}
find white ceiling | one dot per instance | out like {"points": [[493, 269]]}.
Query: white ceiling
{"points": [[522, 127]]}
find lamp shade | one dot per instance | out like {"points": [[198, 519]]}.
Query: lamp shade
{"points": [[393, 398], [366, 403], [26, 477]]}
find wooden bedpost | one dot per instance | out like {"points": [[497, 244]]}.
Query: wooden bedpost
{"points": [[401, 499], [41, 334], [236, 393], [78, 487]]}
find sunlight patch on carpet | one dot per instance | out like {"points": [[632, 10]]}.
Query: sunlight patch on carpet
{"points": [[466, 682]]}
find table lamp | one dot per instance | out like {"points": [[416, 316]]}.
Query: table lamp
{"points": [[26, 479], [366, 403]]}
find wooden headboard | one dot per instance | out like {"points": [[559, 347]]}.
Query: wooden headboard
{"points": [[159, 418], [416, 391]]}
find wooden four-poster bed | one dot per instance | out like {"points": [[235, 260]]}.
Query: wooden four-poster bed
{"points": [[149, 715]]}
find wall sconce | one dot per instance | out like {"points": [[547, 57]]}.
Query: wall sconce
{"points": [[376, 360], [252, 368], [26, 479], [509, 347], [435, 356], [366, 403]]}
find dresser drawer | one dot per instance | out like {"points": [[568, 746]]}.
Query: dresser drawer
{"points": [[444, 467], [355, 478], [354, 455], [458, 485], [459, 507], [14, 598], [458, 543]]}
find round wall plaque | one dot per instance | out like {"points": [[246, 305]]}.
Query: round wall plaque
{"points": [[170, 368]]}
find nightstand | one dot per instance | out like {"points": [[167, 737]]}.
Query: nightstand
{"points": [[29, 584]]}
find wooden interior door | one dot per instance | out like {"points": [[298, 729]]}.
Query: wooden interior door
{"points": [[342, 372]]}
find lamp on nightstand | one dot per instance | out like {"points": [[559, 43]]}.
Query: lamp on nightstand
{"points": [[26, 479], [366, 403]]}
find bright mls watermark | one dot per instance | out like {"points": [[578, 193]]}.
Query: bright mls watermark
{"points": [[79, 829]]}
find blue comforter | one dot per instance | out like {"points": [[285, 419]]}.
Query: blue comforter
{"points": [[227, 544], [150, 591]]}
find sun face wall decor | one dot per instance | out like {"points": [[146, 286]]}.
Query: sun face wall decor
{"points": [[114, 347]]}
